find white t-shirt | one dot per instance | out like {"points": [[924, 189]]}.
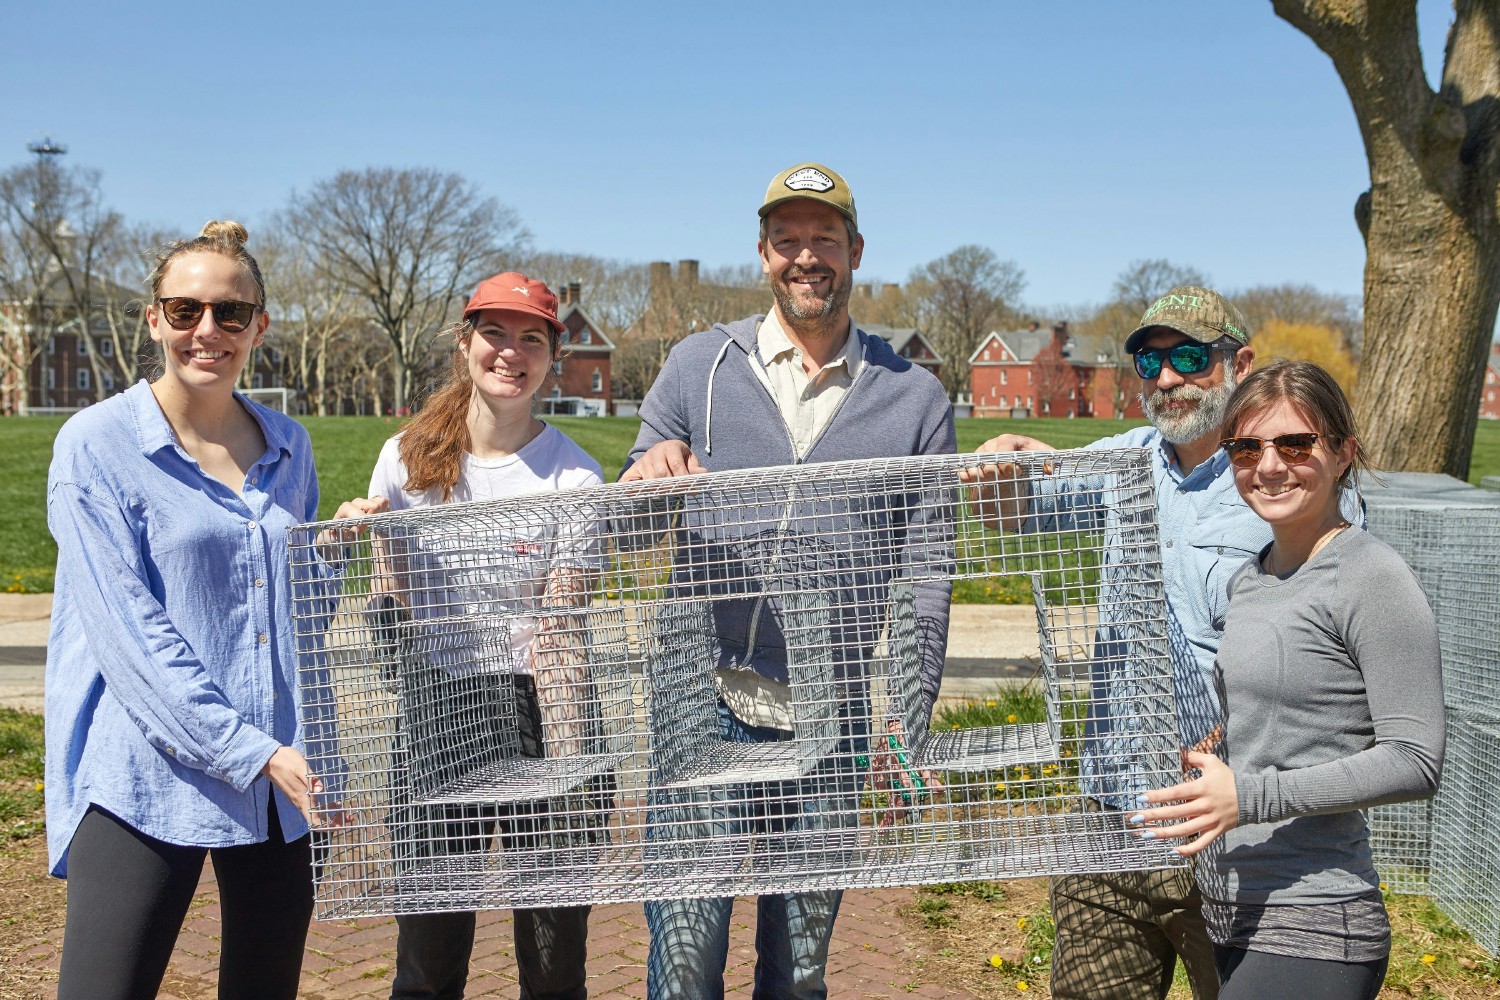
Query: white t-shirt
{"points": [[464, 572]]}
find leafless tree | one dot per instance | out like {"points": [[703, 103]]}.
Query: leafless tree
{"points": [[614, 292], [1430, 219], [59, 237], [957, 300], [407, 246]]}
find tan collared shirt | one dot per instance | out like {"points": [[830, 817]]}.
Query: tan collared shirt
{"points": [[806, 401]]}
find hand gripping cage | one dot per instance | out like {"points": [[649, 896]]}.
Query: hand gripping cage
{"points": [[527, 701]]}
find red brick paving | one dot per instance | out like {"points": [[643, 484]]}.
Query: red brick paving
{"points": [[871, 957]]}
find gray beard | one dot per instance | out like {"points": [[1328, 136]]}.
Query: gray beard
{"points": [[1204, 419]]}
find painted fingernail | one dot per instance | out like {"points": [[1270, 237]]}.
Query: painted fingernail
{"points": [[1148, 835], [1138, 818]]}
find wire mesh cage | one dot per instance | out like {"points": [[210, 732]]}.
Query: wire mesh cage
{"points": [[1401, 833], [1465, 878], [1448, 847], [722, 684]]}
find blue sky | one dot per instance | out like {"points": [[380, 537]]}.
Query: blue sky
{"points": [[1072, 137]]}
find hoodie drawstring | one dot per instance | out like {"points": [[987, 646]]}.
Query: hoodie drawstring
{"points": [[708, 417]]}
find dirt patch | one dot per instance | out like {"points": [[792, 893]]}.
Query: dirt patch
{"points": [[979, 937], [34, 907]]}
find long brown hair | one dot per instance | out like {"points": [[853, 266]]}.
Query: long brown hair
{"points": [[1310, 389], [433, 445]]}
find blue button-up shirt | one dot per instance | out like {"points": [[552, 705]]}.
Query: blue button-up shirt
{"points": [[171, 665]]}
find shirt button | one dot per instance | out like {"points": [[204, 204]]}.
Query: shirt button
{"points": [[254, 480], [1169, 543], [259, 582], [250, 525], [170, 751], [263, 638]]}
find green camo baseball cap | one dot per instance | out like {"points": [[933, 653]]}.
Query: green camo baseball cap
{"points": [[1201, 313], [810, 180]]}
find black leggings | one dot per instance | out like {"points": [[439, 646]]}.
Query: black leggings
{"points": [[1259, 975], [128, 894]]}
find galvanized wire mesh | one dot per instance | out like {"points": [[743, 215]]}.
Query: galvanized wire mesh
{"points": [[1465, 878], [1401, 833], [1449, 848], [522, 702]]}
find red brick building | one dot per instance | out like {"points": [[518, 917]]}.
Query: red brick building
{"points": [[581, 385], [1489, 396], [1051, 373]]}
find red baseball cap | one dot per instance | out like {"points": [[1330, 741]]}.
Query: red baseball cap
{"points": [[513, 290]]}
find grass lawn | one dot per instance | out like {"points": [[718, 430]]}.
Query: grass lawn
{"points": [[345, 449]]}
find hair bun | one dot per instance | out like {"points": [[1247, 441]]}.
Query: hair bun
{"points": [[227, 230]]}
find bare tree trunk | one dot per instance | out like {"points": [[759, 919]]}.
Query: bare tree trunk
{"points": [[1431, 220]]}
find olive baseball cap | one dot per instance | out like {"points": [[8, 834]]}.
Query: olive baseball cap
{"points": [[1201, 313], [810, 180]]}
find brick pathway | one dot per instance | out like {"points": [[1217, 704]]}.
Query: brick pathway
{"points": [[870, 958]]}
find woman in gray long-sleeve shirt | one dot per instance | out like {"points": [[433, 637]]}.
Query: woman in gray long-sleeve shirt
{"points": [[1332, 693]]}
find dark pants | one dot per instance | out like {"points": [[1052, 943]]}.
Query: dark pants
{"points": [[128, 894], [1259, 975], [433, 949], [432, 954]]}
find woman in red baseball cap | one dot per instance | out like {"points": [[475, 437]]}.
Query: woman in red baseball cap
{"points": [[477, 438]]}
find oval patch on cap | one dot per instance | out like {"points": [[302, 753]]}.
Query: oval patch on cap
{"points": [[810, 179]]}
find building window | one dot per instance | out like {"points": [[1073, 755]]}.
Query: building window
{"points": [[82, 346], [107, 348], [1029, 403], [598, 381], [1072, 394], [83, 378], [51, 378], [557, 392], [1004, 377], [557, 367], [584, 337], [258, 380], [51, 345]]}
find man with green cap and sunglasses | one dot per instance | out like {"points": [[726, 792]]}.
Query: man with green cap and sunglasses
{"points": [[1119, 935]]}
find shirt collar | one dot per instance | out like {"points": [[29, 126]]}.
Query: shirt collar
{"points": [[773, 345], [154, 433]]}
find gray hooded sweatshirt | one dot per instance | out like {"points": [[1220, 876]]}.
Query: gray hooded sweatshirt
{"points": [[709, 396]]}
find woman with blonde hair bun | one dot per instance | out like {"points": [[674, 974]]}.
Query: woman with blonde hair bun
{"points": [[174, 723]]}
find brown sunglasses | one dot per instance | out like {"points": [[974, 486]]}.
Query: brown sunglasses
{"points": [[183, 313], [1245, 452]]}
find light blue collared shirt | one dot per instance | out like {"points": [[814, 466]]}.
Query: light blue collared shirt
{"points": [[171, 665]]}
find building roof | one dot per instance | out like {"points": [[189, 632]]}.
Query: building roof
{"points": [[572, 316], [1023, 346], [901, 336]]}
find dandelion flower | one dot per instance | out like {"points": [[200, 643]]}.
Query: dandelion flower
{"points": [[1011, 717], [1428, 959], [37, 787], [1021, 923], [997, 962], [1021, 985], [989, 704]]}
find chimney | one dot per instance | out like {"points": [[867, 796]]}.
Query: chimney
{"points": [[661, 274], [890, 288], [575, 292], [687, 272]]}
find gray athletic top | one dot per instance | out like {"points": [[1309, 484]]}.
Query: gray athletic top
{"points": [[1333, 701]]}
